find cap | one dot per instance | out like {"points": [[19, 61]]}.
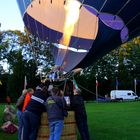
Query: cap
{"points": [[50, 88], [39, 87]]}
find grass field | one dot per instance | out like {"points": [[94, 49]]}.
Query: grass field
{"points": [[107, 121]]}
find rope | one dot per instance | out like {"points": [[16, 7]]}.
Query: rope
{"points": [[72, 75], [131, 21], [132, 18], [123, 7], [90, 91], [59, 84], [28, 35], [68, 75], [134, 30], [25, 9], [103, 5], [87, 89], [37, 31], [65, 85], [34, 54]]}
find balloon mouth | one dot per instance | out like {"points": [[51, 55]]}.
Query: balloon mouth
{"points": [[62, 52], [66, 48]]}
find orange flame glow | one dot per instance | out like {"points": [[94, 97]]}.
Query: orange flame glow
{"points": [[72, 16]]}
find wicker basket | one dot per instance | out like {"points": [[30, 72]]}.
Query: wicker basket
{"points": [[69, 130]]}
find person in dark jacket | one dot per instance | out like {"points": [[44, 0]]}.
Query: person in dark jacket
{"points": [[32, 113], [77, 104], [55, 105]]}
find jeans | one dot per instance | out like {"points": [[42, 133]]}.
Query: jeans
{"points": [[20, 124], [31, 124], [56, 128]]}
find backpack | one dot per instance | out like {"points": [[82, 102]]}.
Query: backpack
{"points": [[9, 127]]}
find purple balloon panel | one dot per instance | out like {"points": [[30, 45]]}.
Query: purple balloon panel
{"points": [[111, 21], [124, 34], [91, 9]]}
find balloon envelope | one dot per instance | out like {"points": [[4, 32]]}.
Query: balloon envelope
{"points": [[102, 26]]}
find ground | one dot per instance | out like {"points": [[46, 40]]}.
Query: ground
{"points": [[107, 121]]}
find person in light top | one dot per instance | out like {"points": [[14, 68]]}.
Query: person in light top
{"points": [[19, 106]]}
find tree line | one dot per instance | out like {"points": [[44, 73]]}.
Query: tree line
{"points": [[24, 54]]}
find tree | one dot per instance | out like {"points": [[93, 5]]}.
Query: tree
{"points": [[24, 57], [122, 63]]}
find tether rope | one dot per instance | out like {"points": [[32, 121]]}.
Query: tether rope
{"points": [[132, 19], [87, 89], [34, 53], [134, 30], [103, 5], [90, 91], [123, 7]]}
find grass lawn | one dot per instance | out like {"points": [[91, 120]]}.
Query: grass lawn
{"points": [[114, 121], [107, 121]]}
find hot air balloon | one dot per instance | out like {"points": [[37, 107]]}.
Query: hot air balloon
{"points": [[81, 31]]}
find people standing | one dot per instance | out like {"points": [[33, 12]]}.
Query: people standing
{"points": [[56, 112], [19, 106], [27, 99], [32, 113], [77, 104]]}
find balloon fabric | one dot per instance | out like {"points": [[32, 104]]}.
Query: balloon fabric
{"points": [[102, 25]]}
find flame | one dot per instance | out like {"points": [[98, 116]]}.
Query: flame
{"points": [[72, 9]]}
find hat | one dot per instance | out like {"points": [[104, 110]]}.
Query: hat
{"points": [[50, 88], [39, 87]]}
